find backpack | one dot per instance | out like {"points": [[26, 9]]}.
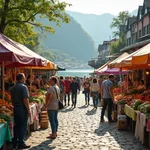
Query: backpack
{"points": [[61, 87]]}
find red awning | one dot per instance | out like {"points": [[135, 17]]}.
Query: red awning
{"points": [[16, 54]]}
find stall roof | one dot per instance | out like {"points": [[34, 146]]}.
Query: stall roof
{"points": [[117, 61], [106, 64], [16, 54]]}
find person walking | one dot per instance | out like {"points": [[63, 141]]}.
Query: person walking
{"points": [[107, 97], [62, 88], [86, 86], [100, 83], [52, 98], [67, 93], [20, 101], [95, 92], [74, 88]]}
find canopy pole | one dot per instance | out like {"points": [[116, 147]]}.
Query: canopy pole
{"points": [[30, 78], [3, 84], [127, 82], [15, 75]]}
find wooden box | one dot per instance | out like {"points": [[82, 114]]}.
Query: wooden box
{"points": [[44, 124], [122, 124]]}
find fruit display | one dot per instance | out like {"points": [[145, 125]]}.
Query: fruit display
{"points": [[136, 104], [117, 91], [2, 121], [5, 117], [7, 96], [38, 97]]}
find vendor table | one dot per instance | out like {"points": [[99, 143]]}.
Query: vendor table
{"points": [[130, 112], [4, 133]]}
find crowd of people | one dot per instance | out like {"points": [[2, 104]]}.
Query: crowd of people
{"points": [[64, 89]]}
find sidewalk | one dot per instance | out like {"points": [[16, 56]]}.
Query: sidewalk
{"points": [[80, 129]]}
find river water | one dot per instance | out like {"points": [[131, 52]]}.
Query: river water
{"points": [[75, 72]]}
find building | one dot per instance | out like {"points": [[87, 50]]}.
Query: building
{"points": [[138, 29], [103, 51]]}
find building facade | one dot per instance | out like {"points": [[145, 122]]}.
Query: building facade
{"points": [[138, 29], [103, 52]]}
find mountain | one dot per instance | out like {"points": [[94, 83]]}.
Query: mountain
{"points": [[70, 39], [97, 26]]}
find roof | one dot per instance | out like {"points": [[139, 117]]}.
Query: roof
{"points": [[131, 20], [147, 3]]}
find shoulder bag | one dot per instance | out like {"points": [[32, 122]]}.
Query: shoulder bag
{"points": [[60, 104]]}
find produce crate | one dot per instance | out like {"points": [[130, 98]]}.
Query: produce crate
{"points": [[122, 117], [122, 124]]}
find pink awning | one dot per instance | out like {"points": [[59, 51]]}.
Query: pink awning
{"points": [[106, 70], [16, 54]]}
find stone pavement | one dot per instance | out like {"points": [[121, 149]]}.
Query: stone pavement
{"points": [[80, 129]]}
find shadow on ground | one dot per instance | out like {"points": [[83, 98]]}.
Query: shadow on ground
{"points": [[84, 106], [91, 112], [44, 145], [65, 110]]}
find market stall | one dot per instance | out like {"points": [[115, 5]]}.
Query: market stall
{"points": [[14, 55], [136, 100]]}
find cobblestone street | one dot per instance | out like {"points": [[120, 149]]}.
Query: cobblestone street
{"points": [[80, 129]]}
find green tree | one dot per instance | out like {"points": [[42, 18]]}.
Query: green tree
{"points": [[48, 55], [18, 18], [116, 46], [121, 19]]}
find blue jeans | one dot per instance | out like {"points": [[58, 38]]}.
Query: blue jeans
{"points": [[74, 98], [52, 115], [87, 96], [95, 98], [20, 128]]}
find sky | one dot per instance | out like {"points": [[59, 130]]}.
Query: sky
{"points": [[103, 6]]}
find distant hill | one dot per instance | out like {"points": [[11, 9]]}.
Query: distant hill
{"points": [[97, 26], [70, 39]]}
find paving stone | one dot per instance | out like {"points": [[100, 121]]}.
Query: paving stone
{"points": [[80, 129]]}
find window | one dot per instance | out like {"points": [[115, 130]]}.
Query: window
{"points": [[148, 29], [140, 33], [145, 30], [145, 11]]}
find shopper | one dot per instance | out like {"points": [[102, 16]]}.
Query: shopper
{"points": [[100, 83], [74, 88], [95, 92], [107, 97], [86, 86], [62, 88], [52, 98], [67, 94], [20, 95]]}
